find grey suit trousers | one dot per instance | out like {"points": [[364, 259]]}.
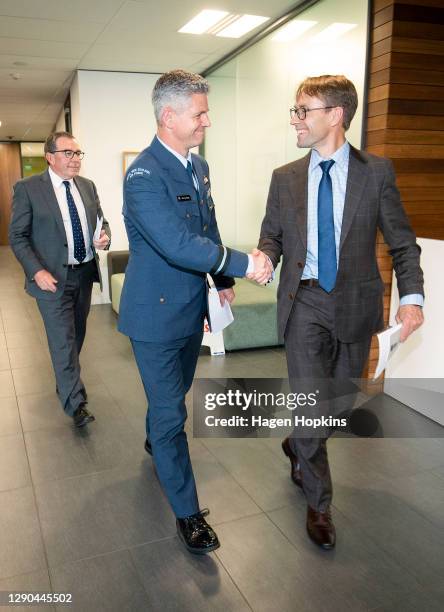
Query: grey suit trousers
{"points": [[317, 359], [65, 324]]}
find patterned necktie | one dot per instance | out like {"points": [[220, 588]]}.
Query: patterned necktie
{"points": [[327, 268], [193, 179], [77, 232]]}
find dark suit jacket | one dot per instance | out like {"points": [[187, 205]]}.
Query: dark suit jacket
{"points": [[372, 201], [173, 242], [37, 233]]}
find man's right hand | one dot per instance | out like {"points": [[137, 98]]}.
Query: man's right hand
{"points": [[45, 281], [263, 270]]}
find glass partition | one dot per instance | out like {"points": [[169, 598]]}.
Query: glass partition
{"points": [[250, 100]]}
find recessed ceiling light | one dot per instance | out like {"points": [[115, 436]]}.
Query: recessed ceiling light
{"points": [[293, 30], [0, 124], [203, 21], [334, 31], [241, 26]]}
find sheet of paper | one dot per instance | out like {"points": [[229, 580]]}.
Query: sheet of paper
{"points": [[219, 317], [98, 228], [388, 341]]}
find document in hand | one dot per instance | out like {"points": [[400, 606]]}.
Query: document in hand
{"points": [[219, 317], [98, 228], [388, 341]]}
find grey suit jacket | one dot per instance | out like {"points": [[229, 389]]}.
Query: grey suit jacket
{"points": [[372, 201], [37, 233]]}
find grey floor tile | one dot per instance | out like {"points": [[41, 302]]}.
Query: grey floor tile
{"points": [[29, 356], [102, 512], [25, 583], [21, 549], [9, 416], [423, 492], [410, 539], [6, 384], [356, 576], [4, 359], [21, 339], [42, 411], [33, 380], [57, 453], [106, 583], [263, 475], [430, 600], [204, 585], [14, 469], [218, 490], [265, 566], [18, 324]]}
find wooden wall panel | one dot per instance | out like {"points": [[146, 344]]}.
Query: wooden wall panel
{"points": [[10, 173], [405, 115]]}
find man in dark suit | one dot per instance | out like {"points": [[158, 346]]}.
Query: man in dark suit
{"points": [[174, 241], [54, 218], [323, 212]]}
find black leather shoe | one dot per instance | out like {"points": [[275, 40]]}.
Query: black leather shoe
{"points": [[196, 534], [148, 448], [81, 416], [320, 528], [296, 474]]}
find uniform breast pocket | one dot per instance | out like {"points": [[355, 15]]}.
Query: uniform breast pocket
{"points": [[188, 211]]}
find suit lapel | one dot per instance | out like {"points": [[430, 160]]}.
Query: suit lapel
{"points": [[87, 204], [49, 197], [356, 182], [299, 195]]}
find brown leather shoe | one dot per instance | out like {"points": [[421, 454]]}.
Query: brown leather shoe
{"points": [[320, 528], [295, 472]]}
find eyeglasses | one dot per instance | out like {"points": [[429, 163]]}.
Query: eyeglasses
{"points": [[70, 154], [301, 111]]}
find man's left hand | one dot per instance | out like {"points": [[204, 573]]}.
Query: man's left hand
{"points": [[226, 294], [411, 317], [103, 241]]}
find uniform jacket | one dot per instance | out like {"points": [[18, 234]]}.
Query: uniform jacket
{"points": [[372, 201], [173, 242], [37, 233]]}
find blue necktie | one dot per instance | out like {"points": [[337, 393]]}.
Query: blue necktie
{"points": [[192, 176], [77, 232], [326, 230]]}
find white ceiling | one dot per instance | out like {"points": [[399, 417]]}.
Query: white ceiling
{"points": [[45, 41]]}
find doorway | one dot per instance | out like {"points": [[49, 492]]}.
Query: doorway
{"points": [[10, 173]]}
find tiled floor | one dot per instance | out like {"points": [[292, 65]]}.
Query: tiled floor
{"points": [[82, 511]]}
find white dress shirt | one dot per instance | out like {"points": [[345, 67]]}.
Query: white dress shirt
{"points": [[60, 193]]}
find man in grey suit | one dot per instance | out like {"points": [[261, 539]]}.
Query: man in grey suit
{"points": [[54, 219], [323, 212]]}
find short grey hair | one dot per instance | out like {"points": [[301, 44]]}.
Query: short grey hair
{"points": [[174, 88], [51, 142]]}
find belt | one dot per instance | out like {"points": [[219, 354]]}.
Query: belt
{"points": [[79, 265], [309, 282]]}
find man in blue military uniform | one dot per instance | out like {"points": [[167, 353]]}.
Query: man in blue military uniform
{"points": [[174, 241]]}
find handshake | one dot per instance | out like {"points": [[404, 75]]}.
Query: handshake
{"points": [[263, 269]]}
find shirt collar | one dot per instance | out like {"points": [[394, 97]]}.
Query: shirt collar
{"points": [[340, 157], [57, 180], [183, 160]]}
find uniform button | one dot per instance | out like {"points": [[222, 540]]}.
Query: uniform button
{"points": [[300, 264], [162, 300], [188, 215], [201, 202], [291, 296], [205, 227]]}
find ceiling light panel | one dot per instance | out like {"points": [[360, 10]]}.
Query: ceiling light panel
{"points": [[241, 26], [293, 30], [204, 21]]}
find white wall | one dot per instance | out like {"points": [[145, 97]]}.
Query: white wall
{"points": [[111, 112], [415, 373], [249, 109]]}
